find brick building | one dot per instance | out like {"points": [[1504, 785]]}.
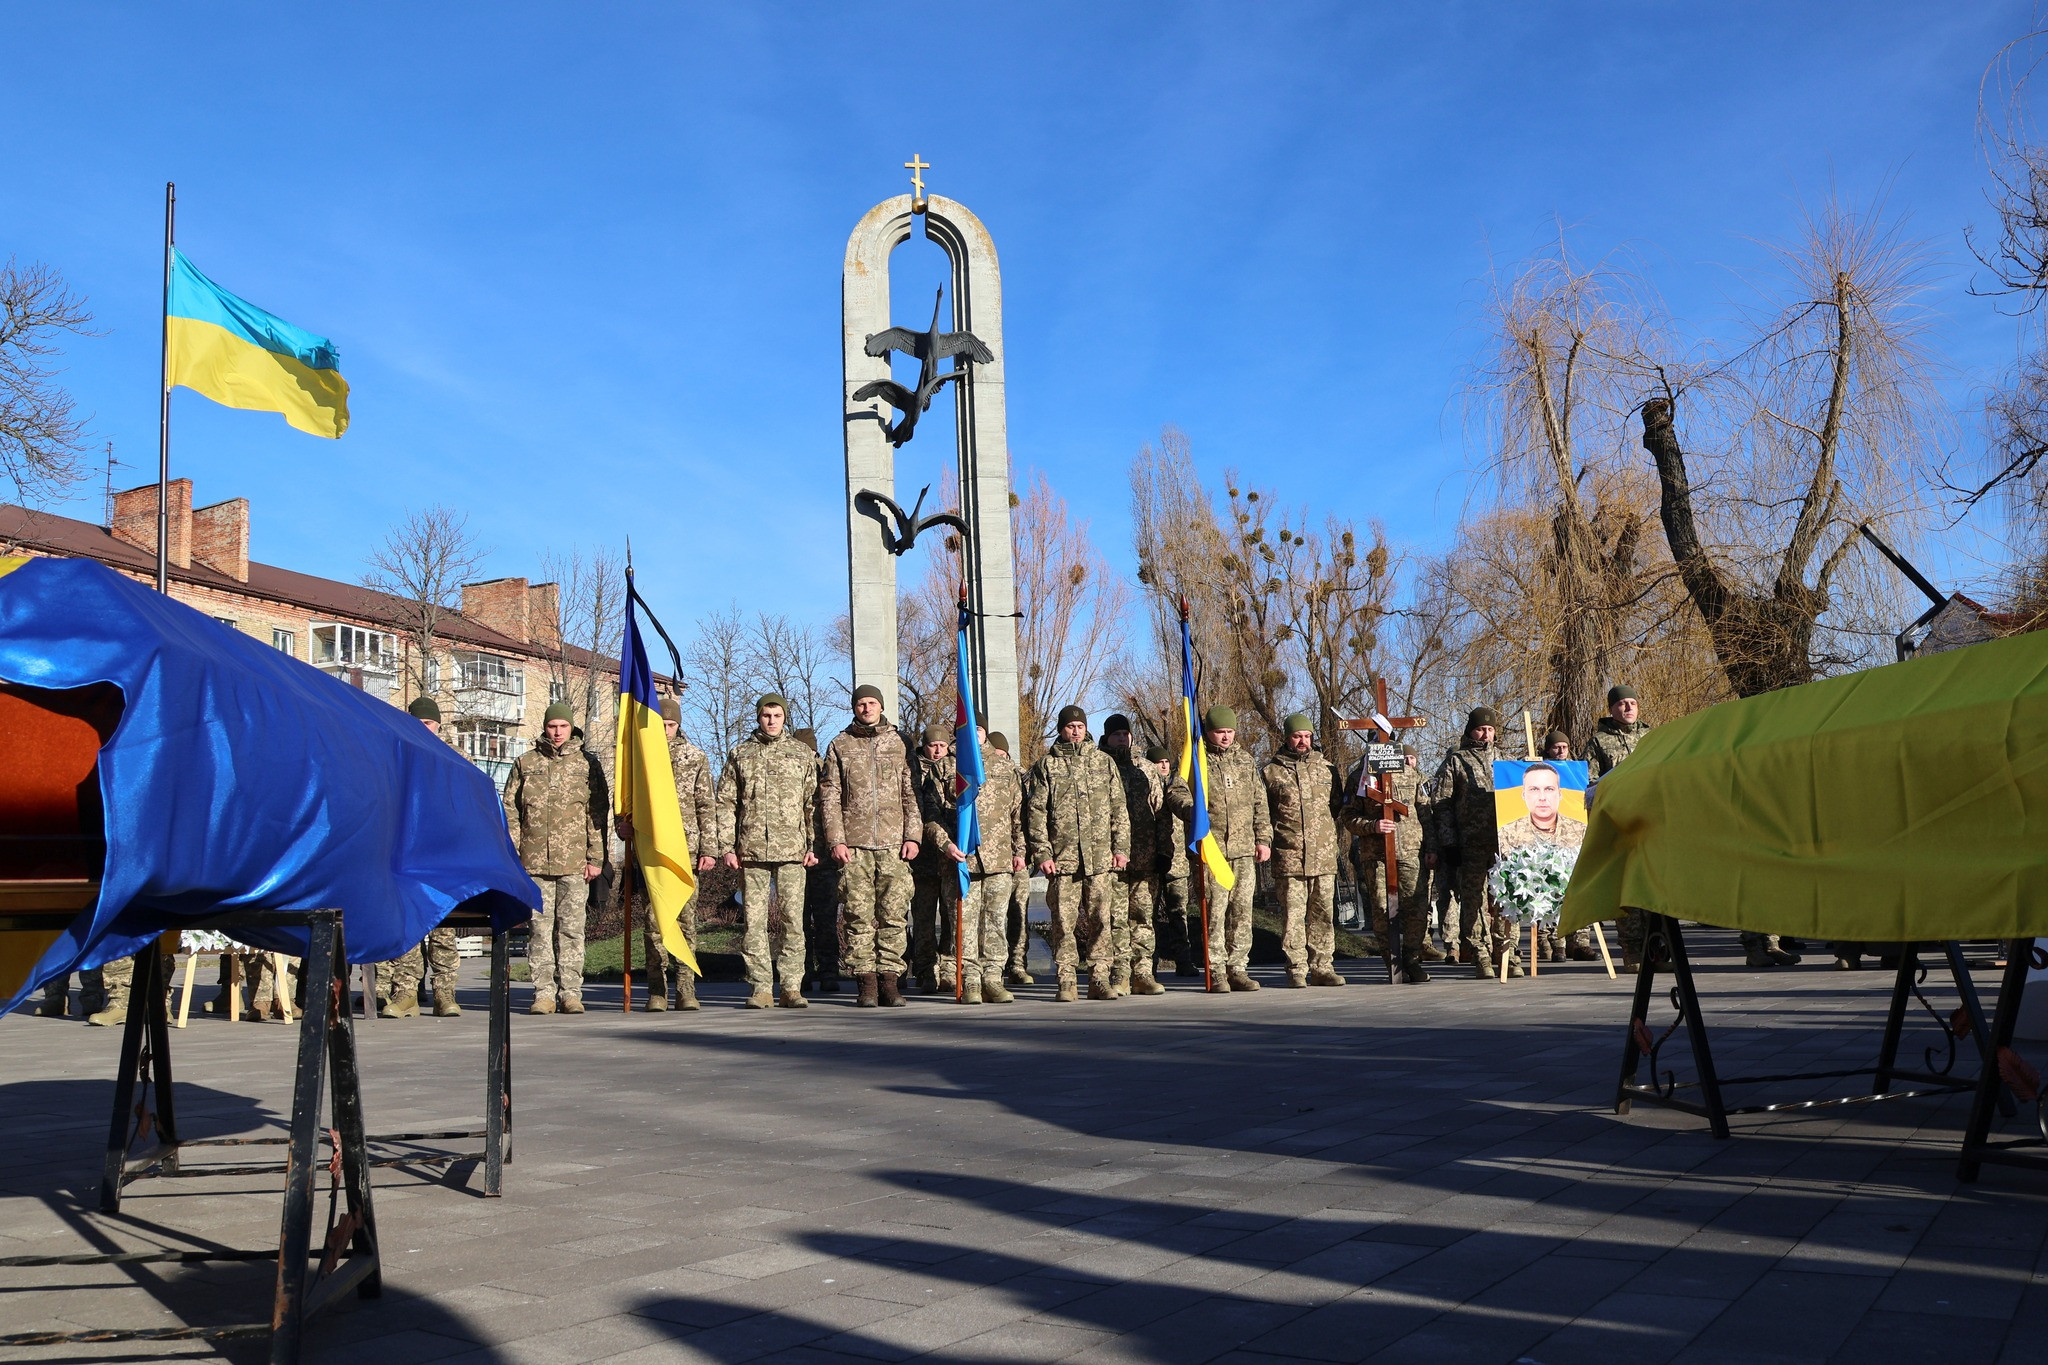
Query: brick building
{"points": [[502, 659]]}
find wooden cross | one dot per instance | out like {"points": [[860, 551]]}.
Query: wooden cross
{"points": [[1380, 790], [917, 166]]}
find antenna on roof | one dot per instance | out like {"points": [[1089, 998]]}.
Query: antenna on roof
{"points": [[111, 462]]}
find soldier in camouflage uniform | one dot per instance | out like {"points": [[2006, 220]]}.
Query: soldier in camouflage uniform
{"points": [[1135, 890], [558, 809], [992, 868], [767, 813], [1467, 839], [1017, 923], [1303, 796], [868, 807], [934, 883], [1176, 938], [1243, 829], [1370, 823], [697, 797], [821, 901], [1078, 831]]}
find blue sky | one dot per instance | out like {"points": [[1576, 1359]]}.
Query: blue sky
{"points": [[582, 261]]}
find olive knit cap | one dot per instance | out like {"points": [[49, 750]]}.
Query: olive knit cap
{"points": [[1072, 713], [561, 710], [768, 699], [424, 708], [1117, 721], [868, 690], [1556, 737], [936, 733], [1481, 715], [1298, 722], [1621, 692], [1155, 752], [1408, 751], [1220, 718], [998, 740], [670, 710]]}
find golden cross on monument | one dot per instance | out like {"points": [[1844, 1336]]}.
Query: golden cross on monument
{"points": [[917, 166], [1378, 788]]}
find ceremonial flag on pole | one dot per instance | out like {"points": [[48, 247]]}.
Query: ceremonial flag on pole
{"points": [[968, 770], [1194, 766], [235, 353], [646, 788]]}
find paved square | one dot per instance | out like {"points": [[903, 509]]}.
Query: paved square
{"points": [[1394, 1174]]}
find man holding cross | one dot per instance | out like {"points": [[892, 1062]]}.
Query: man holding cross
{"points": [[1372, 820]]}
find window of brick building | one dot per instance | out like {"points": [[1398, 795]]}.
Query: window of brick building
{"points": [[353, 647], [490, 744], [286, 640]]}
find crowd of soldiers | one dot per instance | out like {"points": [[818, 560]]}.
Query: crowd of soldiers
{"points": [[854, 846]]}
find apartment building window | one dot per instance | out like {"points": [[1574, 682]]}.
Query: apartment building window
{"points": [[477, 672], [556, 691], [286, 640], [227, 621], [490, 744], [353, 647]]}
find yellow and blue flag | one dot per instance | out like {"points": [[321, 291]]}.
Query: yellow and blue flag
{"points": [[235, 353], [969, 771], [1194, 766], [646, 791]]}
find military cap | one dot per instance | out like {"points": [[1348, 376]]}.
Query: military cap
{"points": [[1482, 715], [1073, 713], [936, 733], [998, 740], [1408, 751], [768, 699], [806, 736], [424, 708], [1220, 718], [1298, 722], [1556, 737], [1155, 752], [561, 710], [670, 710], [1118, 721], [1621, 692], [868, 690]]}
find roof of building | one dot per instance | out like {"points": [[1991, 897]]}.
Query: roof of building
{"points": [[62, 536]]}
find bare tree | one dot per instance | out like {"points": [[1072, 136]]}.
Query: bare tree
{"points": [[421, 566], [583, 639], [717, 700], [790, 660], [1073, 609], [42, 441]]}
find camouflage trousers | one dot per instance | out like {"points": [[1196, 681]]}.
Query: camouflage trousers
{"points": [[1489, 936], [663, 971], [821, 921], [1136, 938], [1308, 929], [984, 926], [1230, 918], [1018, 923], [1414, 909], [1629, 927], [265, 987], [774, 942], [99, 988], [444, 960], [931, 920], [1079, 909], [554, 945], [1170, 920], [402, 974], [876, 885]]}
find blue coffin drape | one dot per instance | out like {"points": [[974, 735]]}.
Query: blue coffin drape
{"points": [[241, 778]]}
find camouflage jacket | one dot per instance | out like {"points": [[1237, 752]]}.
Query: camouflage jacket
{"points": [[768, 800], [938, 808], [1516, 834], [1362, 816], [1075, 814], [866, 796], [1144, 800], [696, 793], [559, 809], [1463, 792], [1000, 810], [1238, 815], [1612, 742], [1303, 796], [1176, 804]]}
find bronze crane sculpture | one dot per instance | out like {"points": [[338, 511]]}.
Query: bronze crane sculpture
{"points": [[930, 347]]}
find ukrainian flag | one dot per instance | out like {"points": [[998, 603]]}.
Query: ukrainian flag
{"points": [[646, 793], [235, 353], [1194, 766]]}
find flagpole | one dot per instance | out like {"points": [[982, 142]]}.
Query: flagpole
{"points": [[163, 434]]}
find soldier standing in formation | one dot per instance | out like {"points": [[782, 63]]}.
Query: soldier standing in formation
{"points": [[1243, 828], [767, 809], [557, 806], [1303, 796], [1017, 920], [1136, 887], [868, 807], [983, 914], [1171, 860], [821, 898], [932, 876], [697, 796], [1370, 823], [1078, 831], [1467, 842]]}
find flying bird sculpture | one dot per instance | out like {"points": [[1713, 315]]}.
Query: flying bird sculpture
{"points": [[930, 347], [900, 528]]}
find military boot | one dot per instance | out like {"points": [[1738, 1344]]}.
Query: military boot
{"points": [[1099, 987], [1431, 953], [793, 1000], [657, 997], [828, 983], [1219, 983], [1327, 976], [928, 980], [886, 993], [1759, 957], [446, 1008], [116, 1013], [761, 999], [1017, 976], [865, 984], [1297, 980], [56, 1005], [1144, 983], [572, 1004], [970, 991], [402, 1005], [1240, 980], [1067, 993], [1185, 964], [993, 993], [1120, 979], [1411, 970], [686, 991]]}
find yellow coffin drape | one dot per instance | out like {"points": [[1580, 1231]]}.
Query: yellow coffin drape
{"points": [[1905, 802]]}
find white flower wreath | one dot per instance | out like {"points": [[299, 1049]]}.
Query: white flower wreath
{"points": [[1528, 883]]}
